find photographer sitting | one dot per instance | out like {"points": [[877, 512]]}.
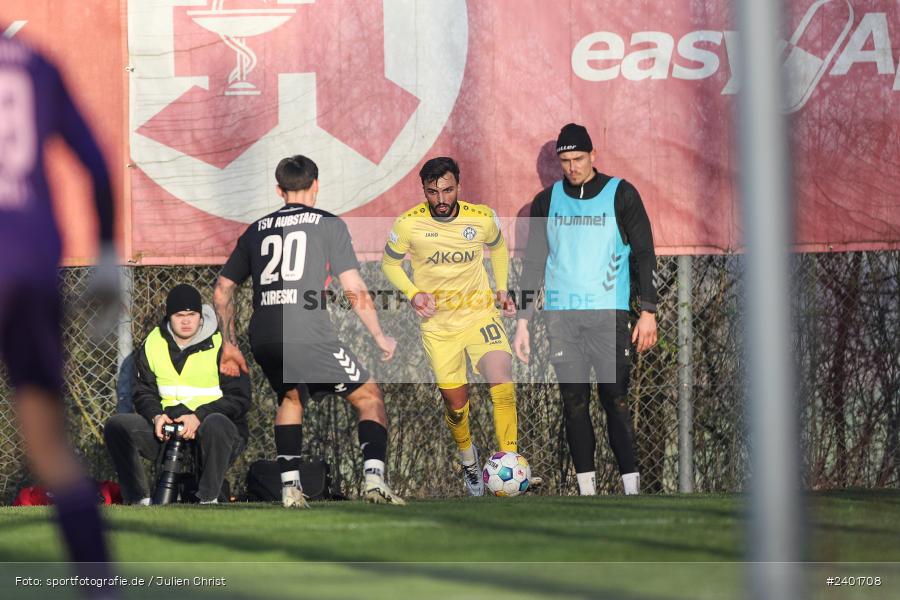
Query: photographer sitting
{"points": [[177, 380]]}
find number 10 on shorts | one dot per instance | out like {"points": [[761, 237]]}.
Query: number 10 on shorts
{"points": [[491, 333]]}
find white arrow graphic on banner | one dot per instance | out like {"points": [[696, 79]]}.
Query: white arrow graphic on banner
{"points": [[425, 48]]}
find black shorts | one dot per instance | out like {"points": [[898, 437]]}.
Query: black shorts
{"points": [[314, 370], [598, 339], [31, 334]]}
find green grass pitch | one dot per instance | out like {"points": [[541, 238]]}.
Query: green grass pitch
{"points": [[634, 548]]}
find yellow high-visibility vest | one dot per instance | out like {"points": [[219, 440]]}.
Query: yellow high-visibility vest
{"points": [[198, 382]]}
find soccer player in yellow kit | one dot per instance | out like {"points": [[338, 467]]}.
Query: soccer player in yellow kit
{"points": [[445, 238]]}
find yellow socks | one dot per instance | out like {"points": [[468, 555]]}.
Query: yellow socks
{"points": [[458, 422], [506, 423]]}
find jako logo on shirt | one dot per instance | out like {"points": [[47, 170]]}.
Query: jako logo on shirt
{"points": [[601, 56], [263, 86], [451, 257]]}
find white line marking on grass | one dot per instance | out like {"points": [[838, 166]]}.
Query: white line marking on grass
{"points": [[406, 524], [654, 521]]}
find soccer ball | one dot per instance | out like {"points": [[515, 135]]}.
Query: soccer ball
{"points": [[506, 474]]}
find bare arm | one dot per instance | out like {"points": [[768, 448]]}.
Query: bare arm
{"points": [[522, 341], [223, 301], [231, 361], [358, 293]]}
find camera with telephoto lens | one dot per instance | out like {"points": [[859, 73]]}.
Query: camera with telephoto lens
{"points": [[172, 465]]}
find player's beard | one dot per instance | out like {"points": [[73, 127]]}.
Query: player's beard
{"points": [[450, 209]]}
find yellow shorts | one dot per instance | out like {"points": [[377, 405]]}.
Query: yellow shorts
{"points": [[447, 350]]}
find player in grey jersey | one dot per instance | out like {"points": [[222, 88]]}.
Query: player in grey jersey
{"points": [[291, 254]]}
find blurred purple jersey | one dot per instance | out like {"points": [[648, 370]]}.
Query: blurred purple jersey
{"points": [[34, 105]]}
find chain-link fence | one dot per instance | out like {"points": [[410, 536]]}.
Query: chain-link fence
{"points": [[847, 347]]}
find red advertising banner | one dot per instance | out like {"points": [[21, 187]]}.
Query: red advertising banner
{"points": [[220, 90]]}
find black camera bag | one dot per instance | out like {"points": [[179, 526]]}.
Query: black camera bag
{"points": [[264, 481]]}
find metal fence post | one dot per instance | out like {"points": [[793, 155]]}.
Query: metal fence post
{"points": [[685, 377], [124, 336], [776, 531]]}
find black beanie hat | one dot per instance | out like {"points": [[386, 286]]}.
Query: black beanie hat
{"points": [[575, 138], [183, 297]]}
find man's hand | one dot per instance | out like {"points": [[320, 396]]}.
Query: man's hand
{"points": [[507, 304], [158, 422], [522, 341], [387, 345], [191, 424], [232, 361], [644, 334], [103, 295], [424, 305]]}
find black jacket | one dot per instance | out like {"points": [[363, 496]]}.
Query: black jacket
{"points": [[236, 395], [634, 227]]}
